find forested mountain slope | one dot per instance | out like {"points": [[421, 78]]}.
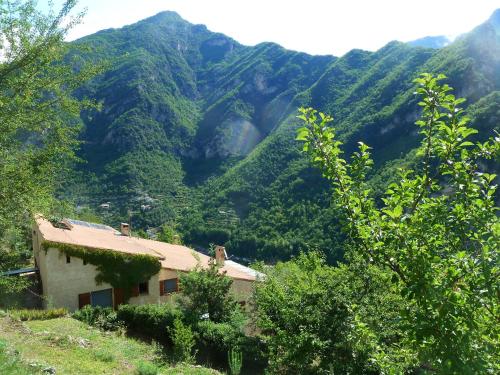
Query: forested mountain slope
{"points": [[200, 130]]}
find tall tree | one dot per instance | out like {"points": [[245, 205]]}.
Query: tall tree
{"points": [[436, 230], [39, 117]]}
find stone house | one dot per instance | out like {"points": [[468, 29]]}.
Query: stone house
{"points": [[70, 282]]}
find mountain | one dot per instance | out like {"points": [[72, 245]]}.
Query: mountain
{"points": [[198, 131], [439, 41]]}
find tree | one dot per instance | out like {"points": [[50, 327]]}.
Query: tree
{"points": [[206, 291], [436, 231], [39, 117], [323, 319]]}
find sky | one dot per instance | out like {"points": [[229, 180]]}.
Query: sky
{"points": [[313, 26]]}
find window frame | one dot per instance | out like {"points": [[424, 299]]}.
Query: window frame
{"points": [[167, 291]]}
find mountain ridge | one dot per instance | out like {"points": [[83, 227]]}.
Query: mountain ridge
{"points": [[195, 124]]}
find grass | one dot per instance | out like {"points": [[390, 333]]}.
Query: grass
{"points": [[72, 347], [10, 362]]}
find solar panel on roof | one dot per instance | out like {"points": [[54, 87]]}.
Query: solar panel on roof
{"points": [[90, 225]]}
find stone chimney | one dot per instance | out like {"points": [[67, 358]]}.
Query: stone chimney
{"points": [[125, 229], [220, 255]]}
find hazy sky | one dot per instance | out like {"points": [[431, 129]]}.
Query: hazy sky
{"points": [[313, 26]]}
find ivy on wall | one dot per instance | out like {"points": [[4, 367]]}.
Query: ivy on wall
{"points": [[120, 270]]}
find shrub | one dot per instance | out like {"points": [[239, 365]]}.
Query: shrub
{"points": [[151, 320], [183, 340], [215, 340], [101, 317], [219, 336], [146, 368], [206, 291], [235, 361], [27, 314]]}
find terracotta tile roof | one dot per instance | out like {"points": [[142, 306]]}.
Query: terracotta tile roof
{"points": [[175, 257], [182, 258], [91, 237]]}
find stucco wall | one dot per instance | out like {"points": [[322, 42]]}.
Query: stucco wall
{"points": [[63, 282], [241, 289]]}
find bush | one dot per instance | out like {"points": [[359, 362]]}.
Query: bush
{"points": [[219, 336], [183, 340], [153, 320], [235, 361], [146, 368], [27, 314], [101, 317], [215, 340]]}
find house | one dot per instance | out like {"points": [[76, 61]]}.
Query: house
{"points": [[70, 282]]}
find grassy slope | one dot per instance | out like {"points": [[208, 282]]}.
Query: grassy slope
{"points": [[58, 343]]}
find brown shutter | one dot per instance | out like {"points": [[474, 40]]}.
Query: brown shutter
{"points": [[119, 297], [162, 289], [83, 300], [177, 285], [135, 291]]}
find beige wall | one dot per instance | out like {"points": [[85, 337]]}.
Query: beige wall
{"points": [[62, 282], [241, 289]]}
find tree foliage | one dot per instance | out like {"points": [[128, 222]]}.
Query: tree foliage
{"points": [[319, 319], [39, 118], [206, 291], [436, 230]]}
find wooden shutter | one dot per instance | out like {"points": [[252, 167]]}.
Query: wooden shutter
{"points": [[177, 285], [162, 289], [119, 297], [135, 291], [83, 300]]}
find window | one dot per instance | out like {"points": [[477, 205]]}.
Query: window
{"points": [[170, 285], [144, 288], [68, 259], [103, 298]]}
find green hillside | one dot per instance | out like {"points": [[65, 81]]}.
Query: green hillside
{"points": [[67, 346], [198, 131]]}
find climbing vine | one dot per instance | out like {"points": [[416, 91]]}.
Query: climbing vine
{"points": [[120, 270]]}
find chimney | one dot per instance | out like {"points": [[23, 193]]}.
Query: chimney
{"points": [[125, 229], [220, 255]]}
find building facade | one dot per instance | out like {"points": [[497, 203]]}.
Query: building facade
{"points": [[69, 282]]}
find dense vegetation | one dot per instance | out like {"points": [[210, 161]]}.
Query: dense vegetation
{"points": [[196, 137], [435, 236], [197, 131], [39, 120]]}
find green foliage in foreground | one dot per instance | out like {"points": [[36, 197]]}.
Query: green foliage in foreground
{"points": [[206, 291], [72, 347], [153, 320], [26, 314], [436, 232], [321, 319], [39, 118], [183, 340], [235, 360], [10, 363], [104, 318]]}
